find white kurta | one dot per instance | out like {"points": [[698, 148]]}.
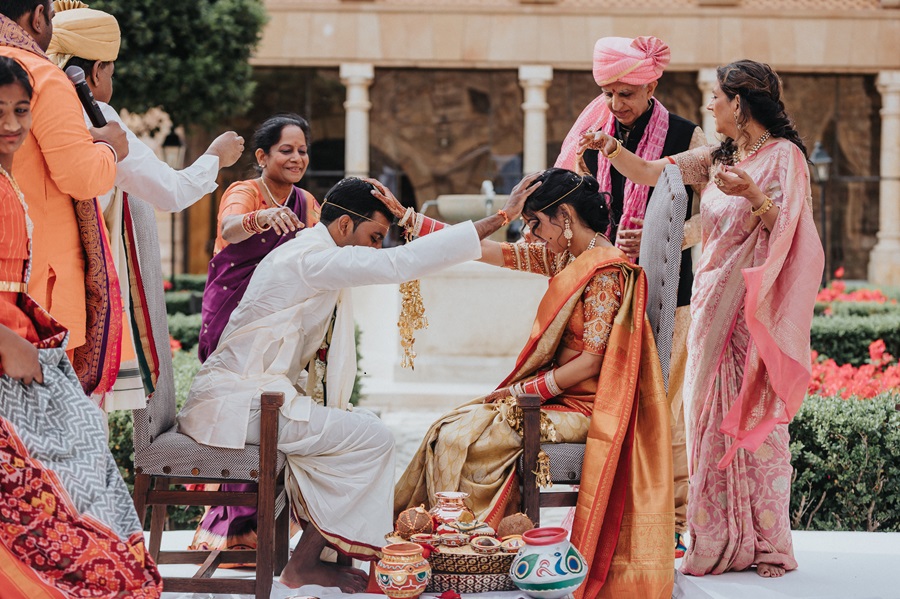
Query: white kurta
{"points": [[340, 462]]}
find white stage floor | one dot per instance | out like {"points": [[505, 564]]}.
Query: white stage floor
{"points": [[834, 565]]}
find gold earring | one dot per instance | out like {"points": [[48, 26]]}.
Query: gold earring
{"points": [[568, 234]]}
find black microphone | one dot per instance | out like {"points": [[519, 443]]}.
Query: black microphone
{"points": [[76, 76]]}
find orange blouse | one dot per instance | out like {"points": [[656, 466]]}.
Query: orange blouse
{"points": [[247, 196], [13, 259]]}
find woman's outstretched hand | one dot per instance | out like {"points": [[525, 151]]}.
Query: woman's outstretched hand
{"points": [[519, 194], [387, 198], [597, 140], [281, 219], [736, 182]]}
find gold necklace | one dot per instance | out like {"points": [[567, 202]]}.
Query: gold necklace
{"points": [[12, 182], [593, 241], [272, 197], [753, 149]]}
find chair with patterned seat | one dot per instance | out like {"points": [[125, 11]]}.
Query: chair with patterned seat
{"points": [[164, 458], [666, 211]]}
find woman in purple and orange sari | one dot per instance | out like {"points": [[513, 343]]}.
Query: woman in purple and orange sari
{"points": [[255, 217], [68, 527], [752, 306], [592, 360]]}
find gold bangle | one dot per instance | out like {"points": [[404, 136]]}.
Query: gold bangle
{"points": [[765, 207], [615, 152]]}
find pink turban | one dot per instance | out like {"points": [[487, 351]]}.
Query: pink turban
{"points": [[633, 61]]}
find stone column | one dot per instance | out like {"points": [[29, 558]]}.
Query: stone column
{"points": [[357, 77], [706, 80], [535, 79], [884, 261]]}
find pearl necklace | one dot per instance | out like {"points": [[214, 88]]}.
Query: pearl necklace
{"points": [[759, 142], [271, 196]]}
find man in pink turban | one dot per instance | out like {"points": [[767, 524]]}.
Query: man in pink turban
{"points": [[628, 71]]}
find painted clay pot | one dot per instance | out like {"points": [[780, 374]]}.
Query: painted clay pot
{"points": [[548, 566], [450, 506], [402, 572]]}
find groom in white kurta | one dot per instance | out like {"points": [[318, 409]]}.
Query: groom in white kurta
{"points": [[340, 462]]}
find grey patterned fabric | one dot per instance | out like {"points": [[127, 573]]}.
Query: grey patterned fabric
{"points": [[158, 448], [63, 430], [661, 258]]}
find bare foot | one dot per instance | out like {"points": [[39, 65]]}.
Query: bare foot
{"points": [[770, 571], [349, 580]]}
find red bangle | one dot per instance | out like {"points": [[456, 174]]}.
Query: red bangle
{"points": [[505, 216]]}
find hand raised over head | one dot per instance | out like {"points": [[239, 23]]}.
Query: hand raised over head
{"points": [[387, 198], [228, 147], [519, 194], [597, 140]]}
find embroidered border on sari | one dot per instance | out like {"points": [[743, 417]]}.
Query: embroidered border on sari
{"points": [[148, 359], [97, 361]]}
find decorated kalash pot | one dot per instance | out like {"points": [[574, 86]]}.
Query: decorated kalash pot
{"points": [[548, 566], [450, 507], [402, 571]]}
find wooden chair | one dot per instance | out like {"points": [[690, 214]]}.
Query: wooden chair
{"points": [[163, 457], [666, 212]]}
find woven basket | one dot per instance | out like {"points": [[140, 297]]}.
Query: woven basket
{"points": [[469, 583], [464, 560]]}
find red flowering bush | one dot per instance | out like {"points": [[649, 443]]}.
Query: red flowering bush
{"points": [[168, 285], [837, 292], [880, 374], [174, 344]]}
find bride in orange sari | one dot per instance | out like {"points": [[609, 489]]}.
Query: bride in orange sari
{"points": [[592, 359]]}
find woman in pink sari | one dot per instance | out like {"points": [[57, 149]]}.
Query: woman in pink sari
{"points": [[752, 306]]}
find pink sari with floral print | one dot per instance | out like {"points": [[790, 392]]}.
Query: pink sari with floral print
{"points": [[748, 360]]}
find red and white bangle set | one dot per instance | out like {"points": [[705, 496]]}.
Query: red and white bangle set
{"points": [[251, 225], [543, 385]]}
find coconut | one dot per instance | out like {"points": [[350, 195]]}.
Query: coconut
{"points": [[415, 520], [516, 524]]}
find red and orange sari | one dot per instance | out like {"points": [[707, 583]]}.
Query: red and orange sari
{"points": [[624, 521]]}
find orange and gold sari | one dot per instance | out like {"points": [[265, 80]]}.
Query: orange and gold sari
{"points": [[624, 521]]}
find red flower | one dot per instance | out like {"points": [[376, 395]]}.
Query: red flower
{"points": [[168, 285], [174, 344], [839, 273]]}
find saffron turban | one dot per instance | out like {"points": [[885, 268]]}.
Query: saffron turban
{"points": [[635, 61], [83, 32]]}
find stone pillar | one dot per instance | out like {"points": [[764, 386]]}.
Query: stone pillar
{"points": [[357, 77], [535, 79], [706, 80], [884, 261]]}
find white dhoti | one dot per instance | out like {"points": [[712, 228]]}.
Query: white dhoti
{"points": [[340, 475]]}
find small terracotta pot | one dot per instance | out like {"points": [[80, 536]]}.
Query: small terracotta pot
{"points": [[402, 572]]}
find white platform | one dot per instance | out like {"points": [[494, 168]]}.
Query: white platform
{"points": [[835, 565]]}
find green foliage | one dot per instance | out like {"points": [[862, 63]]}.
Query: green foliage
{"points": [[183, 302], [190, 58], [856, 308], [189, 282], [185, 328], [846, 458], [846, 339]]}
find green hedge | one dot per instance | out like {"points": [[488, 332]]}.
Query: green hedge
{"points": [[185, 328], [189, 282], [846, 456], [846, 339], [856, 308], [183, 302]]}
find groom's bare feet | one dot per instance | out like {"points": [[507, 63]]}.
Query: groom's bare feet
{"points": [[349, 580], [770, 571]]}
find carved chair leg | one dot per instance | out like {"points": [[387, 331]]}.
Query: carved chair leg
{"points": [[141, 488], [157, 518], [531, 441]]}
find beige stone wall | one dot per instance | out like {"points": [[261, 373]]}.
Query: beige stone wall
{"points": [[793, 35]]}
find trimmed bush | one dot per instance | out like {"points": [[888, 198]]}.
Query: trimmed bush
{"points": [[189, 282], [846, 339], [856, 308], [185, 328], [846, 458], [184, 302]]}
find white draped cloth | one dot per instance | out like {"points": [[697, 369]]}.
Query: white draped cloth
{"points": [[341, 463]]}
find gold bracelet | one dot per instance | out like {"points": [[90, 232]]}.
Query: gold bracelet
{"points": [[765, 207], [615, 152]]}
